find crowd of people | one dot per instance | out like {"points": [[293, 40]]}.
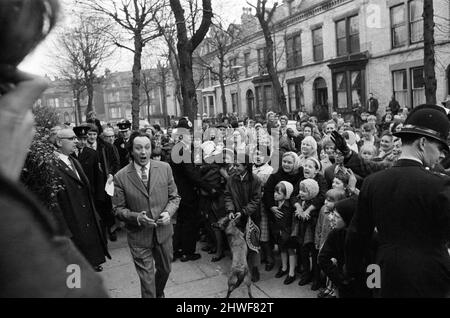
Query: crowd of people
{"points": [[299, 205], [332, 199]]}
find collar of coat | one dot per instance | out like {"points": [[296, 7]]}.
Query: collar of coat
{"points": [[408, 163]]}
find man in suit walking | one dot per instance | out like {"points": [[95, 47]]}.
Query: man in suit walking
{"points": [[145, 198], [409, 206], [78, 218]]}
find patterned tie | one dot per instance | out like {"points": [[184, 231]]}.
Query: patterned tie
{"points": [[144, 176]]}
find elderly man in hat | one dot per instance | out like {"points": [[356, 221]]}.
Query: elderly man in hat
{"points": [[408, 207], [121, 142]]}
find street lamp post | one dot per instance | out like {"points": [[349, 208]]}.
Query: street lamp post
{"points": [[237, 68]]}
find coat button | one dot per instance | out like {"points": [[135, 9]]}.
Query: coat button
{"points": [[84, 205], [79, 187]]}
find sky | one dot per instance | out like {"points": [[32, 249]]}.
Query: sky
{"points": [[40, 61]]}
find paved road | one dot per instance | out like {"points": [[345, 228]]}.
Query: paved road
{"points": [[198, 279]]}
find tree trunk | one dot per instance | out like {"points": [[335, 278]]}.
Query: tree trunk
{"points": [[190, 103], [90, 93], [185, 49], [279, 96], [429, 60], [148, 105], [163, 93], [222, 89], [136, 83]]}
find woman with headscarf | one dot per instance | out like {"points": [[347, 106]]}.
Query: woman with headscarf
{"points": [[290, 171]]}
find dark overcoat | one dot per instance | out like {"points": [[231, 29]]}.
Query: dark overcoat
{"points": [[89, 161], [124, 157], [410, 208], [76, 204]]}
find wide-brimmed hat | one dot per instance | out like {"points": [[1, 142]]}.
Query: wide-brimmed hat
{"points": [[428, 121]]}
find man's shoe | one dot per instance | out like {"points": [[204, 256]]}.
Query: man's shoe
{"points": [[305, 280], [281, 273], [289, 280], [255, 274], [191, 257]]}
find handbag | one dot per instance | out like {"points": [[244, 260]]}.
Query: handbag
{"points": [[252, 235]]}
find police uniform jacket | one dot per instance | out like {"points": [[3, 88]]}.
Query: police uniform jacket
{"points": [[410, 208]]}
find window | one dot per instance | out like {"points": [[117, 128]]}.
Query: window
{"points": [[51, 102], [400, 87], [416, 20], [262, 69], [418, 86], [356, 88], [317, 44], [115, 112], [246, 63], [296, 99], [264, 99], [294, 51], [341, 89], [268, 96], [232, 62], [205, 105], [234, 101], [398, 26], [347, 35], [211, 105]]}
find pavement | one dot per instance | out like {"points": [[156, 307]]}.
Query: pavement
{"points": [[193, 279]]}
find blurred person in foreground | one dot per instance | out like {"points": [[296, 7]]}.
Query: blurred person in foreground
{"points": [[36, 264]]}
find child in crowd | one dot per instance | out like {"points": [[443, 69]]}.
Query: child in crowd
{"points": [[308, 190], [331, 257], [345, 180], [284, 230], [368, 152], [327, 155], [323, 228]]}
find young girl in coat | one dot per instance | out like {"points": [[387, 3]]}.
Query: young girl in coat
{"points": [[323, 228], [308, 191], [284, 231]]}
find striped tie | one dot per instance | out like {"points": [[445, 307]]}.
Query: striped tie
{"points": [[144, 176]]}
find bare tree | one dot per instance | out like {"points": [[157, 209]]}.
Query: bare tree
{"points": [[85, 48], [265, 19], [186, 47], [136, 18], [429, 50], [220, 42]]}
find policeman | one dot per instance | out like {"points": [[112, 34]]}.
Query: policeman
{"points": [[408, 206], [121, 142]]}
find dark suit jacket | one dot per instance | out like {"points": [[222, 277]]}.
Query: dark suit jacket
{"points": [[131, 198], [35, 265], [79, 216], [410, 208]]}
